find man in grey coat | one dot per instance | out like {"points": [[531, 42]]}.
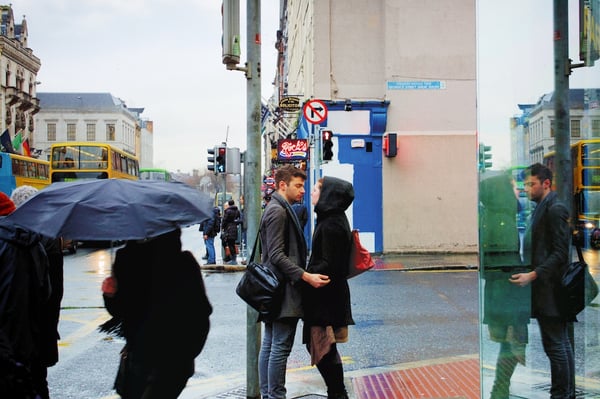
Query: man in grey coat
{"points": [[546, 246], [284, 250]]}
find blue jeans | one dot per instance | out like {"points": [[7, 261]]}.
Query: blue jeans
{"points": [[210, 248], [557, 345], [278, 339]]}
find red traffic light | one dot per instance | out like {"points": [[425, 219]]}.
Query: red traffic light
{"points": [[327, 135]]}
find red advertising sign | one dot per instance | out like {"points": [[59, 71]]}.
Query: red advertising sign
{"points": [[292, 149]]}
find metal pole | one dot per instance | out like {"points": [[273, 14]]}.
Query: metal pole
{"points": [[562, 138], [252, 180]]}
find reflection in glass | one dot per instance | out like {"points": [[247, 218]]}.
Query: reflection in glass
{"points": [[506, 307]]}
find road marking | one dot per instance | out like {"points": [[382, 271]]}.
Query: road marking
{"points": [[86, 329]]}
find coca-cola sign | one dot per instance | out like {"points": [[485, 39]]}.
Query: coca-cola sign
{"points": [[292, 149]]}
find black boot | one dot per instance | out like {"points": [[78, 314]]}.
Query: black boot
{"points": [[337, 395], [333, 375]]}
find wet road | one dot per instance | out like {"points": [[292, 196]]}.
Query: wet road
{"points": [[400, 317]]}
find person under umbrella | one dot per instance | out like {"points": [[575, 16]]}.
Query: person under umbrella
{"points": [[24, 292], [157, 298]]}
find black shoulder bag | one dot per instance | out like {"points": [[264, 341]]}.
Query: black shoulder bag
{"points": [[260, 288], [578, 288]]}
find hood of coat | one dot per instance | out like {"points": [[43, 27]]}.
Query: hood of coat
{"points": [[336, 195], [17, 235]]}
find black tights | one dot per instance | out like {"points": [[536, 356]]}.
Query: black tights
{"points": [[332, 372]]}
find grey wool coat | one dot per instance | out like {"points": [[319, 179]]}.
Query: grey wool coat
{"points": [[284, 250]]}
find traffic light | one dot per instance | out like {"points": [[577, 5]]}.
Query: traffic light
{"points": [[390, 148], [485, 156], [327, 144], [221, 160], [211, 160]]}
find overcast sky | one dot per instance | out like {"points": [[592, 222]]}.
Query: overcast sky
{"points": [[516, 64], [165, 56], [160, 55]]}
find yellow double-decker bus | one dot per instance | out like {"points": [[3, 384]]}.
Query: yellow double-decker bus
{"points": [[585, 163], [90, 160], [18, 170]]}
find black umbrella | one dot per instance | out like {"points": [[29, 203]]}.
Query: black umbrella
{"points": [[112, 209]]}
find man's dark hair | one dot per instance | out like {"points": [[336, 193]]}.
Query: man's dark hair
{"points": [[286, 173], [540, 171], [231, 202]]}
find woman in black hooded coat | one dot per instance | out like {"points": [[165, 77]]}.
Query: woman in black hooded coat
{"points": [[327, 311]]}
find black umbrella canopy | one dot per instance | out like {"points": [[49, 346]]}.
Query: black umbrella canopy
{"points": [[112, 209]]}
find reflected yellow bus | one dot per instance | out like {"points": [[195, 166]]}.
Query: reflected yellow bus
{"points": [[19, 170], [90, 160], [585, 164]]}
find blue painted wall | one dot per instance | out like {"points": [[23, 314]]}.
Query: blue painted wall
{"points": [[367, 210]]}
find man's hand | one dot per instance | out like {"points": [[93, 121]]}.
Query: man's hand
{"points": [[316, 280], [522, 279]]}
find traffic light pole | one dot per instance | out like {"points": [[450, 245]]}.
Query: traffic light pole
{"points": [[562, 70], [252, 179]]}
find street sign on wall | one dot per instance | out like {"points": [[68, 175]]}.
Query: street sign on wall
{"points": [[315, 111], [289, 104]]}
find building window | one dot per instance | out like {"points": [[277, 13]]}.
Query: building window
{"points": [[552, 127], [71, 132], [595, 127], [91, 131], [575, 128], [51, 131], [110, 132]]}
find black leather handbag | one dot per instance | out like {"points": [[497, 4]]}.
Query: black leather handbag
{"points": [[260, 288], [578, 288]]}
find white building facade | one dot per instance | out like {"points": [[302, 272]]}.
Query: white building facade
{"points": [[18, 77], [363, 60], [98, 117]]}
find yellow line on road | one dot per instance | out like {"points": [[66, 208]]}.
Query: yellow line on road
{"points": [[84, 330]]}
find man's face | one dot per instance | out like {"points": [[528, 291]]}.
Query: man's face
{"points": [[295, 190], [535, 189]]}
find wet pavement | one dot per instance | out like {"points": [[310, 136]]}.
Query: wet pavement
{"points": [[456, 377]]}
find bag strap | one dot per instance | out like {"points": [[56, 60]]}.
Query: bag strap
{"points": [[579, 253], [255, 244]]}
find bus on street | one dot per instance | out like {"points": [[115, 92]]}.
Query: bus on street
{"points": [[155, 174], [90, 160], [19, 170], [585, 162]]}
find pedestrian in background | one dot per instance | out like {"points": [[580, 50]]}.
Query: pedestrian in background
{"points": [[229, 231], [327, 310], [210, 228], [157, 298], [24, 331], [284, 251], [546, 247]]}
